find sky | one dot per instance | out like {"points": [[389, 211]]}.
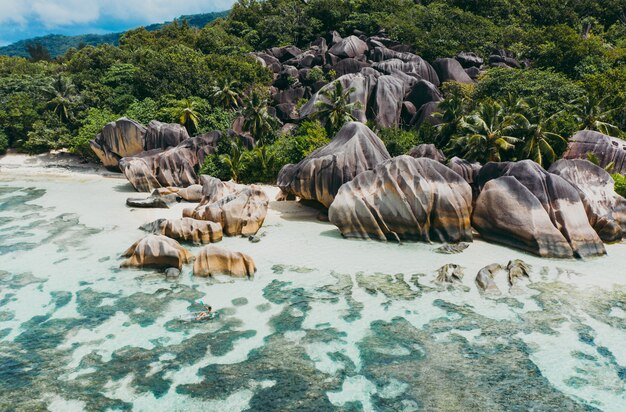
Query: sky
{"points": [[24, 19]]}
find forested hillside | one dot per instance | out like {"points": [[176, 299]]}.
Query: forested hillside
{"points": [[57, 44], [544, 69]]}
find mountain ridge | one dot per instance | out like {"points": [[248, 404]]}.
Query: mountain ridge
{"points": [[59, 44]]}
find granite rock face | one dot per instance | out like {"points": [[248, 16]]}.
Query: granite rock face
{"points": [[606, 210], [175, 166], [118, 139], [319, 176], [156, 251], [214, 260], [429, 151], [163, 135], [405, 199], [605, 148], [241, 213], [187, 229], [523, 206]]}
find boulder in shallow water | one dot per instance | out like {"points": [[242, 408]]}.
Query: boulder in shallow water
{"points": [[522, 205], [187, 229], [606, 210], [484, 279], [450, 273], [154, 202], [192, 193], [405, 199], [214, 260], [319, 176], [605, 148], [452, 249], [156, 251], [518, 271], [240, 213]]}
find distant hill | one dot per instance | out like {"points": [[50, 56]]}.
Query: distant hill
{"points": [[58, 44]]}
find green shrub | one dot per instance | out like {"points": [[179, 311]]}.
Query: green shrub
{"points": [[213, 166], [620, 184], [398, 141], [92, 125], [143, 111], [4, 142], [47, 134]]}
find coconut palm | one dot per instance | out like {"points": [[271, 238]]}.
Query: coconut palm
{"points": [[257, 119], [63, 96], [450, 113], [226, 94], [235, 160], [335, 109], [486, 134], [538, 140], [589, 111], [187, 115]]}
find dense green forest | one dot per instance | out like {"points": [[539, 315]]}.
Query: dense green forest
{"points": [[57, 44], [205, 78]]}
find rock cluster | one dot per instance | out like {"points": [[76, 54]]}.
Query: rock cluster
{"points": [[187, 229], [175, 166], [240, 212], [523, 206]]}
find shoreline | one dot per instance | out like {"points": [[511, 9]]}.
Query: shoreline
{"points": [[61, 163]]}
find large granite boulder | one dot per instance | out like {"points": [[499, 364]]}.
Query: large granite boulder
{"points": [[386, 102], [405, 199], [605, 148], [451, 70], [214, 260], [156, 251], [175, 166], [606, 209], [163, 135], [191, 193], [118, 139], [522, 205], [468, 59], [350, 47], [427, 150], [186, 229], [240, 214], [319, 176], [423, 92], [419, 67]]}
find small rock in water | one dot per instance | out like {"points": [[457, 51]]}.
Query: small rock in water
{"points": [[254, 239], [450, 273], [518, 270], [450, 249], [484, 279], [172, 273]]}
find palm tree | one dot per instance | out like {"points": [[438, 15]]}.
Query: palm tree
{"points": [[225, 94], [235, 159], [512, 105], [187, 115], [334, 109], [589, 111], [486, 134], [63, 95], [537, 139], [257, 120], [450, 112]]}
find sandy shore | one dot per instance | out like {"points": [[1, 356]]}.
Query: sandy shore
{"points": [[52, 163]]}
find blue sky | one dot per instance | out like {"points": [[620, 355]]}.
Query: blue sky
{"points": [[23, 19]]}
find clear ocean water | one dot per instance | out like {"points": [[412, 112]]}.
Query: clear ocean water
{"points": [[326, 324]]}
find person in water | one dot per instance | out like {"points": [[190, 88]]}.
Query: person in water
{"points": [[207, 314]]}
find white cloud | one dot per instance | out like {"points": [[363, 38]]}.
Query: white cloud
{"points": [[55, 13]]}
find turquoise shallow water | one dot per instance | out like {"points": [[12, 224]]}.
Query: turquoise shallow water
{"points": [[327, 323]]}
